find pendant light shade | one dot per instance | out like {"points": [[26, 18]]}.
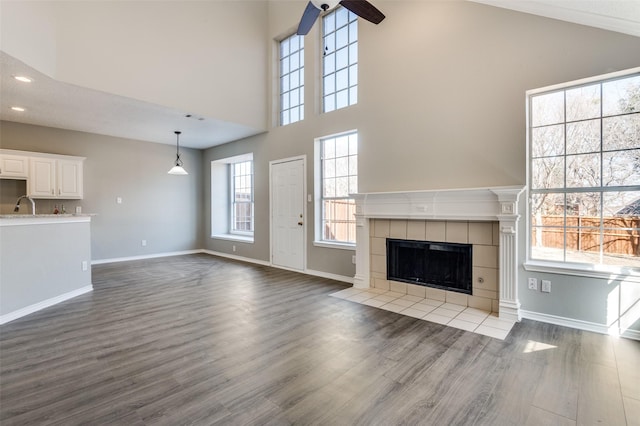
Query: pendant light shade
{"points": [[178, 169]]}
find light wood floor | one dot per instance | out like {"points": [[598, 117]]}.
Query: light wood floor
{"points": [[201, 340]]}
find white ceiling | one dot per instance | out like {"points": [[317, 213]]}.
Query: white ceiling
{"points": [[61, 105]]}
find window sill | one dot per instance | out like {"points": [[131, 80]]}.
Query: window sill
{"points": [[341, 246], [233, 237], [581, 270]]}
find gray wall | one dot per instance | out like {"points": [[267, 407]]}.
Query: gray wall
{"points": [[40, 262], [441, 105], [165, 210]]}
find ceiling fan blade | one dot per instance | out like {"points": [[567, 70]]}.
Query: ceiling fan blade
{"points": [[309, 17], [364, 9]]}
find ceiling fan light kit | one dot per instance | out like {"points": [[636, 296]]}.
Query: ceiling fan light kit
{"points": [[362, 8]]}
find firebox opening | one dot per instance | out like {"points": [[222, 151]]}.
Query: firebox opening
{"points": [[441, 265]]}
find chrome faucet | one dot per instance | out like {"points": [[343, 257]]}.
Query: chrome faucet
{"points": [[33, 204]]}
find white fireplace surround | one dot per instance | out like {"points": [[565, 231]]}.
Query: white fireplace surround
{"points": [[476, 204]]}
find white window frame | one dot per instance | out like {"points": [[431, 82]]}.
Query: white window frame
{"points": [[319, 240], [291, 80], [339, 64], [233, 203], [221, 200], [595, 270]]}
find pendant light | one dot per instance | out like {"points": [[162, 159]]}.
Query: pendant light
{"points": [[178, 169]]}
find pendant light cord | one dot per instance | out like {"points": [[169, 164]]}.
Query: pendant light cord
{"points": [[178, 160]]}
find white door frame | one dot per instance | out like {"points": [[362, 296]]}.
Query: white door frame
{"points": [[305, 220]]}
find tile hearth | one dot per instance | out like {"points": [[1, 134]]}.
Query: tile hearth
{"points": [[452, 315]]}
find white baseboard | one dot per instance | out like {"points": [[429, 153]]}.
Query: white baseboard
{"points": [[144, 256], [234, 257], [578, 324], [336, 277], [321, 274], [44, 304]]}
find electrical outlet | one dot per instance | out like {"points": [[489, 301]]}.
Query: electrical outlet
{"points": [[85, 265], [118, 200], [353, 259], [546, 286], [144, 243], [533, 284], [234, 248], [78, 209]]}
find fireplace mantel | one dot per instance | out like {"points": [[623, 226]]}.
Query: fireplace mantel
{"points": [[475, 204]]}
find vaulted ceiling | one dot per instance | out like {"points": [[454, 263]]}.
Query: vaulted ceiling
{"points": [[208, 80]]}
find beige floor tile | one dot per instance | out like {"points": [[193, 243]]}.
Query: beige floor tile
{"points": [[433, 302], [373, 302], [395, 294], [470, 318], [436, 318], [494, 322], [412, 298], [403, 302], [392, 307], [462, 324], [360, 297], [496, 333], [412, 312], [385, 298], [453, 307], [424, 307], [445, 312]]}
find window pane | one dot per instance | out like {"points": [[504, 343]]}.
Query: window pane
{"points": [[329, 85], [329, 103], [329, 43], [329, 170], [342, 58], [621, 96], [547, 109], [621, 168], [621, 132], [329, 63], [584, 204], [329, 148], [547, 141], [353, 95], [342, 187], [342, 99], [342, 16], [547, 173], [329, 186], [583, 137], [583, 171], [284, 47], [342, 166], [342, 146], [583, 103], [329, 23], [295, 79], [353, 31], [342, 79], [353, 185]]}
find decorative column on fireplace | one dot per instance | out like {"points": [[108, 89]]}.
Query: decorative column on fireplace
{"points": [[496, 204]]}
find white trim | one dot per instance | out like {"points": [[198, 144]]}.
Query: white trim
{"points": [[335, 277], [44, 304], [583, 270], [233, 237], [234, 257], [577, 324], [144, 256], [341, 246]]}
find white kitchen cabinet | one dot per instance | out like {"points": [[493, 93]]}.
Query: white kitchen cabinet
{"points": [[14, 166], [55, 178]]}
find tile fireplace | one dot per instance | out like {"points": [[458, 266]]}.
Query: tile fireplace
{"points": [[485, 218]]}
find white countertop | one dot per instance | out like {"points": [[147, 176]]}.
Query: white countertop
{"points": [[42, 219]]}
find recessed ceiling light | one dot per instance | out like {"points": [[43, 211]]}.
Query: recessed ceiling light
{"points": [[23, 78], [17, 108]]}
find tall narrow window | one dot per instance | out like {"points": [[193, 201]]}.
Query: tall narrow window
{"points": [[242, 197], [584, 162], [338, 179], [291, 79], [340, 59]]}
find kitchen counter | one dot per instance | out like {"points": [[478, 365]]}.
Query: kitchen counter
{"points": [[41, 219], [44, 259]]}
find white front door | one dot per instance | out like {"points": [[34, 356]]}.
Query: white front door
{"points": [[288, 222]]}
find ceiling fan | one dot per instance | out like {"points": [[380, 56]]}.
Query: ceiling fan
{"points": [[362, 8]]}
